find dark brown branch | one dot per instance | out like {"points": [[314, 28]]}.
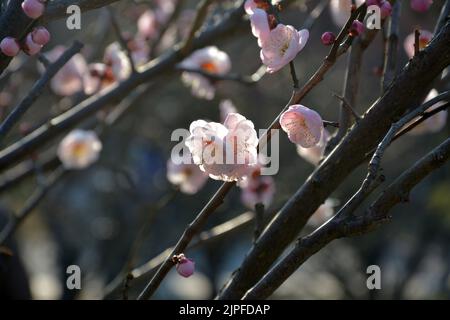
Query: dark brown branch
{"points": [[406, 91], [30, 205], [391, 47], [247, 80], [337, 228]]}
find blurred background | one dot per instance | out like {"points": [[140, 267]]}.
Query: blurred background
{"points": [[122, 211]]}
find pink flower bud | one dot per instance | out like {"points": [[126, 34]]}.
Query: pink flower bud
{"points": [[357, 28], [9, 47], [328, 38], [185, 267], [33, 8], [30, 47], [421, 5], [386, 9], [40, 36]]}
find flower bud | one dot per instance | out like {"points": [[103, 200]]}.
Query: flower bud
{"points": [[185, 267], [357, 28], [328, 38], [33, 8], [9, 47], [40, 36], [386, 9]]}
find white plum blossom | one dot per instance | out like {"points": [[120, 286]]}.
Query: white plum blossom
{"points": [[225, 152], [79, 149], [340, 10], [314, 154], [210, 60], [424, 38], [226, 107]]}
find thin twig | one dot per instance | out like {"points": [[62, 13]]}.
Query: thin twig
{"points": [[202, 12], [391, 47], [259, 220], [37, 89], [247, 80], [123, 43], [347, 106], [416, 42]]}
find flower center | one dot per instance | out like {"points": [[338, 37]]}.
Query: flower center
{"points": [[79, 150], [209, 66], [262, 4], [423, 42]]}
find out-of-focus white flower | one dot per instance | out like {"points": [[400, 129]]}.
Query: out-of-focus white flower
{"points": [[79, 149], [209, 59], [118, 60], [435, 123], [188, 177], [71, 77], [340, 10], [259, 189]]}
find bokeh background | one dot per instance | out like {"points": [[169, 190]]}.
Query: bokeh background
{"points": [[92, 217]]}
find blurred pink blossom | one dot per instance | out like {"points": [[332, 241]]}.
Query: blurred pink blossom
{"points": [[323, 213], [79, 149], [421, 5], [303, 125], [188, 177], [424, 39], [117, 59], [209, 59], [340, 10], [10, 47], [259, 189], [185, 266], [435, 123]]}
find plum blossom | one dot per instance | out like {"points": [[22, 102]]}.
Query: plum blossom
{"points": [[79, 149], [259, 190], [225, 152], [147, 25], [117, 59], [279, 43], [188, 177], [303, 125], [10, 47], [185, 266], [209, 59], [71, 77], [251, 5], [435, 123], [314, 154], [340, 10], [421, 5], [424, 39], [328, 38], [226, 107], [40, 36], [99, 77]]}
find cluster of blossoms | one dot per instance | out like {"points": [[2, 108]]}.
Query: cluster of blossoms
{"points": [[35, 40], [279, 43]]}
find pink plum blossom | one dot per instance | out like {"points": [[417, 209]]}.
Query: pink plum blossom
{"points": [[10, 47], [357, 28], [435, 123], [260, 25], [79, 149], [226, 107], [260, 189], [282, 46], [303, 125], [209, 59], [314, 154], [340, 10], [421, 5], [33, 8], [424, 39], [185, 266], [188, 177], [385, 9], [71, 77], [225, 152], [99, 77], [147, 25]]}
